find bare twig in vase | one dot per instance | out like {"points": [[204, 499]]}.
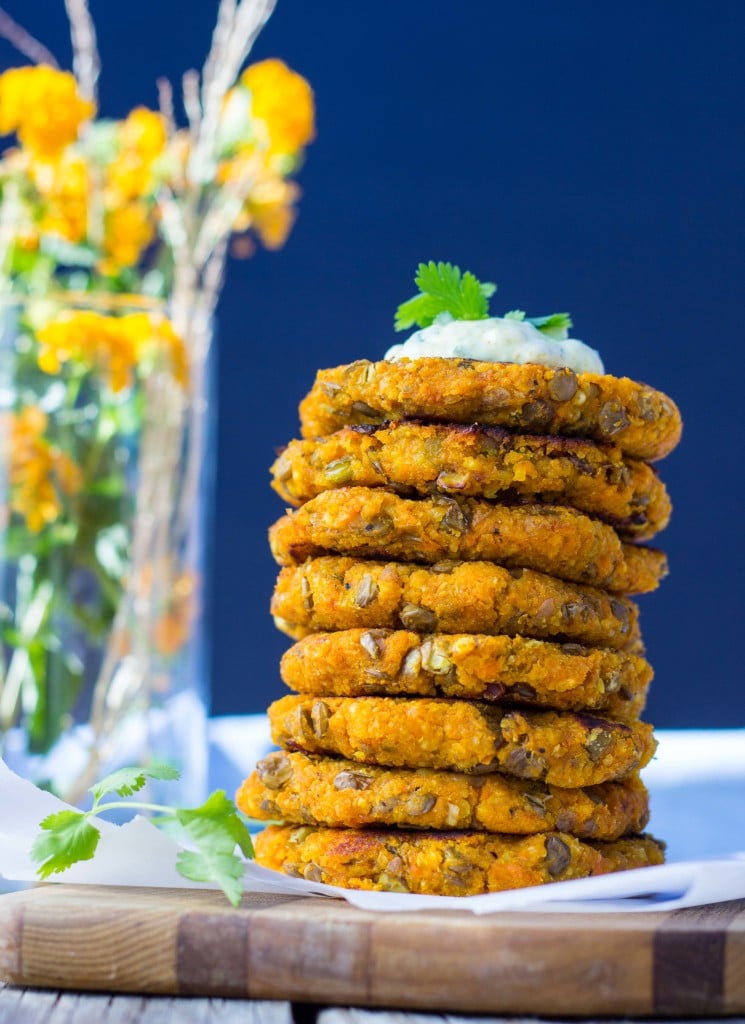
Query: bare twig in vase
{"points": [[24, 42], [86, 62]]}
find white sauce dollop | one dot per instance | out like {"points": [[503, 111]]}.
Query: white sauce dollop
{"points": [[497, 340]]}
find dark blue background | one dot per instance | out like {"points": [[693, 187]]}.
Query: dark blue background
{"points": [[587, 156]]}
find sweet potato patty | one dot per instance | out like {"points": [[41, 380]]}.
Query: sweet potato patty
{"points": [[527, 398], [500, 669], [372, 523], [303, 790], [444, 863], [480, 462], [462, 597], [561, 748]]}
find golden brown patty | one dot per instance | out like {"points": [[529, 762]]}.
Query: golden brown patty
{"points": [[368, 522], [502, 669], [466, 597], [304, 790], [448, 864], [561, 748], [528, 398], [480, 462]]}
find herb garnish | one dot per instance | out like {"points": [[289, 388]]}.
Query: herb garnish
{"points": [[444, 289], [215, 829]]}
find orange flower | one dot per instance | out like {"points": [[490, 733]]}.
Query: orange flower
{"points": [[90, 338], [283, 100], [142, 138], [43, 107], [156, 340], [173, 627], [271, 211], [269, 208], [144, 133], [128, 230], [113, 345], [64, 189], [171, 347], [39, 472]]}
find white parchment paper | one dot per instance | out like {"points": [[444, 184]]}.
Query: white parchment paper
{"points": [[138, 854]]}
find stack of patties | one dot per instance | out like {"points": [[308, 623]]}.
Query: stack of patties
{"points": [[468, 671]]}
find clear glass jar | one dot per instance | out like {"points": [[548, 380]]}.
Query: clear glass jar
{"points": [[104, 490]]}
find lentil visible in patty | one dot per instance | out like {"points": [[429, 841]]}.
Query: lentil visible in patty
{"points": [[559, 747], [479, 462], [444, 863], [527, 398], [372, 523], [469, 597], [300, 789], [500, 669]]}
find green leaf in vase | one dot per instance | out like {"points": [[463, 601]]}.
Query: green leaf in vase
{"points": [[107, 486], [112, 552], [67, 253]]}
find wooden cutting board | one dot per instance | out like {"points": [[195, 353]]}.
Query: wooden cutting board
{"points": [[191, 942]]}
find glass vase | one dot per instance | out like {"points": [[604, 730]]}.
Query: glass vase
{"points": [[104, 495]]}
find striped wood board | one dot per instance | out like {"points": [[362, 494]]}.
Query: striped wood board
{"points": [[191, 942]]}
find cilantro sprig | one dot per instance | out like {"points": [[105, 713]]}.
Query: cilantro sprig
{"points": [[557, 325], [215, 830], [443, 289]]}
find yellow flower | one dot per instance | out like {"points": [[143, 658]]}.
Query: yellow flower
{"points": [[128, 230], [271, 211], [155, 339], [144, 133], [142, 138], [93, 339], [112, 345], [172, 346], [269, 208], [64, 189], [43, 107], [40, 474], [245, 166], [273, 224], [172, 629], [283, 100], [129, 221]]}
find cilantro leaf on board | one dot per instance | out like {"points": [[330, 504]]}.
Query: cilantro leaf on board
{"points": [[66, 838], [210, 866], [443, 289], [215, 829], [217, 823], [127, 781]]}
